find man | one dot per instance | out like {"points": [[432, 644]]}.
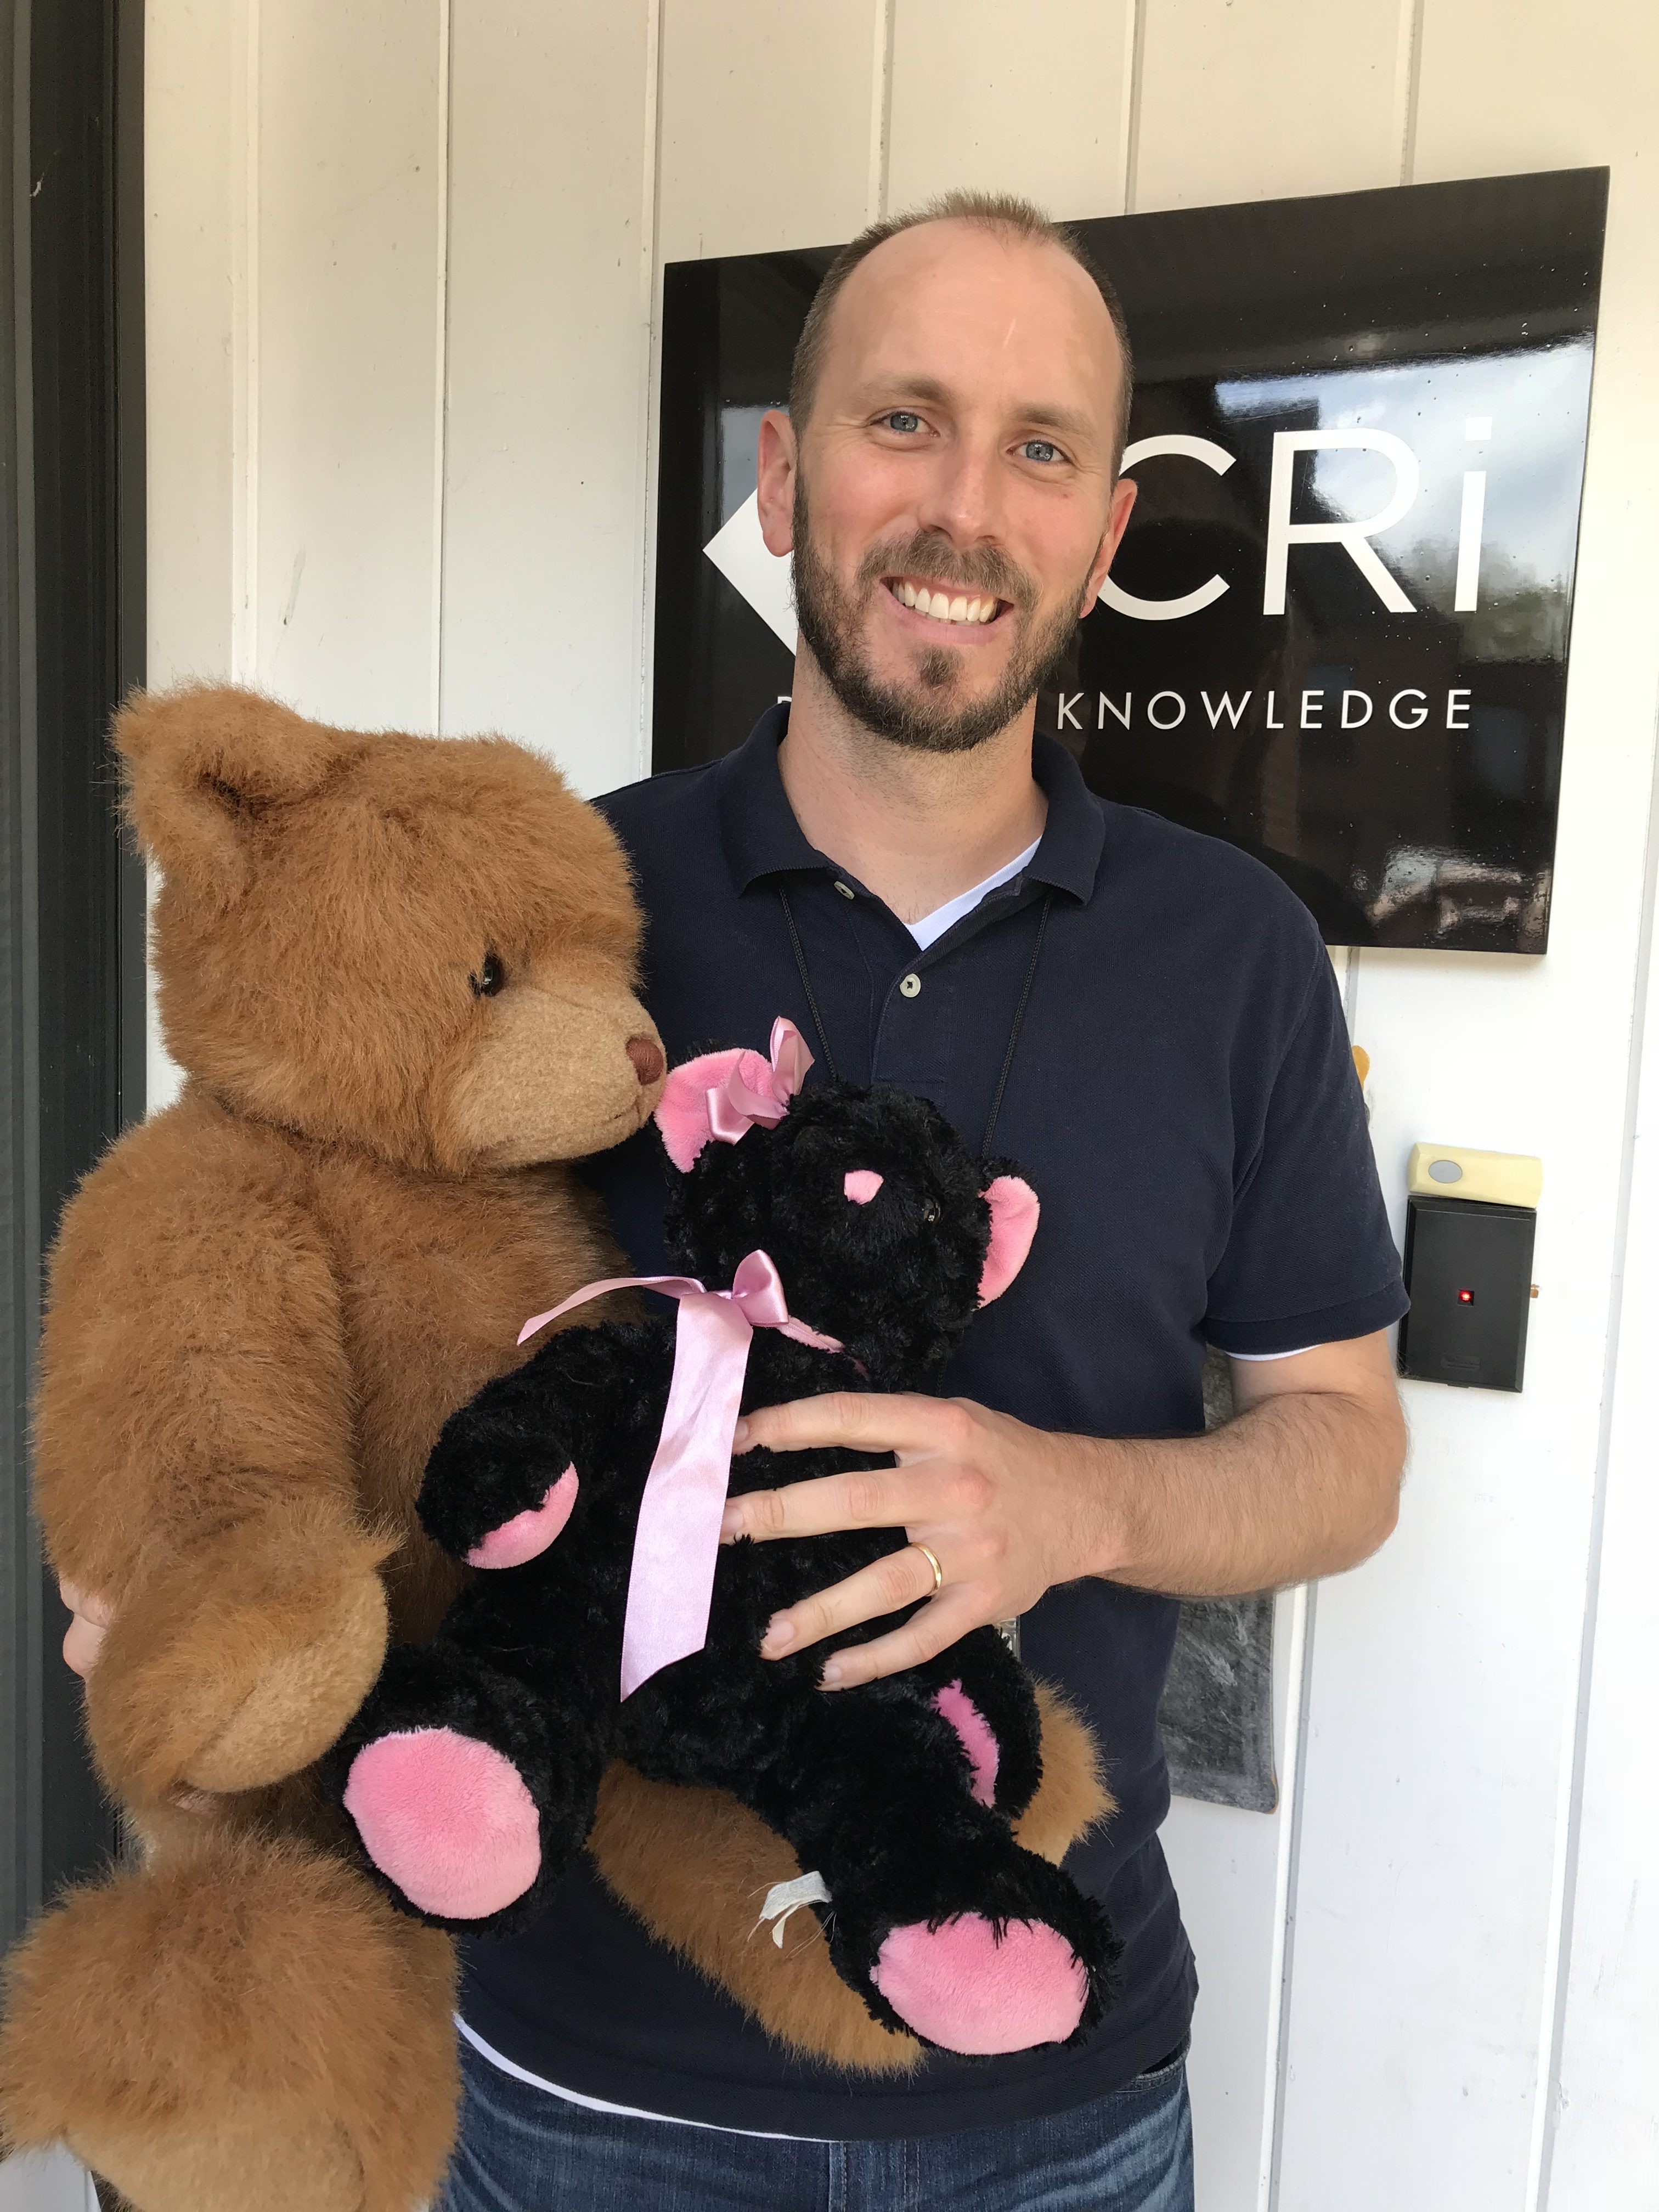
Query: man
{"points": [[1149, 1020], [939, 904]]}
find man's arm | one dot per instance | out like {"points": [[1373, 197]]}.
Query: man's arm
{"points": [[1304, 1482]]}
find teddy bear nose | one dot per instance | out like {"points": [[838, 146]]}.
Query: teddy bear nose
{"points": [[647, 1056]]}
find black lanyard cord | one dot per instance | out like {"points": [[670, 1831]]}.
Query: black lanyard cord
{"points": [[1013, 1033], [1019, 1023], [806, 985]]}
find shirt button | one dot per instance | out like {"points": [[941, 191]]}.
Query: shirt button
{"points": [[909, 986], [846, 890]]}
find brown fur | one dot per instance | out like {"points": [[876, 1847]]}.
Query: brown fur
{"points": [[325, 2107], [709, 1888], [263, 1306]]}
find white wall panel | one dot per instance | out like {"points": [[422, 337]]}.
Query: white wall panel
{"points": [[1512, 84], [344, 423], [191, 107], [1245, 99], [1044, 113], [769, 115], [552, 112], [1440, 1809]]}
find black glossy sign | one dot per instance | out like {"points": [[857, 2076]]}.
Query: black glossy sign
{"points": [[1336, 633]]}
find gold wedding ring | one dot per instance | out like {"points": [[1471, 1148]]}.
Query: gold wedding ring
{"points": [[939, 1571]]}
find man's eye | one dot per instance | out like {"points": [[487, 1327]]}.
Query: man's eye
{"points": [[1040, 449], [903, 420]]}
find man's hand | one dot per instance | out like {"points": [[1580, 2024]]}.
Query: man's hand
{"points": [[1305, 1482], [1005, 1508], [84, 1637]]}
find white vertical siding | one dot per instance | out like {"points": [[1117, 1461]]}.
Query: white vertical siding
{"points": [[552, 112], [402, 269], [1045, 113], [766, 123]]}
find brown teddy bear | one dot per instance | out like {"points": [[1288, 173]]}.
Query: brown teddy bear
{"points": [[399, 972], [400, 975]]}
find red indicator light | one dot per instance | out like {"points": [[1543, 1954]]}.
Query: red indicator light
{"points": [[1465, 1298]]}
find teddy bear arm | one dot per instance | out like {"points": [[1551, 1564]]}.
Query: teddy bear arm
{"points": [[506, 1471], [195, 1432]]}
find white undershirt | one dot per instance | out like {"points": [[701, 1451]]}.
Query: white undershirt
{"points": [[933, 927], [928, 931]]}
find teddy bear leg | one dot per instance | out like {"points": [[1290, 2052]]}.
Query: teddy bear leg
{"points": [[939, 1920], [248, 2023], [466, 1798], [990, 1701]]}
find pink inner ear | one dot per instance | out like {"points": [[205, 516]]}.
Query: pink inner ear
{"points": [[1014, 1209], [682, 1113], [861, 1184]]}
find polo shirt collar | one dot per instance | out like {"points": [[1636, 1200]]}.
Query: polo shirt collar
{"points": [[762, 838]]}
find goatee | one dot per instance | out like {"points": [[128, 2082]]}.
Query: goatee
{"points": [[924, 715]]}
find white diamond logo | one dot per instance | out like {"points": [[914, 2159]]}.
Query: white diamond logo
{"points": [[762, 578]]}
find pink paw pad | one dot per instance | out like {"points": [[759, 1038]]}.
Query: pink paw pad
{"points": [[968, 1990], [978, 1741], [448, 1819], [528, 1534]]}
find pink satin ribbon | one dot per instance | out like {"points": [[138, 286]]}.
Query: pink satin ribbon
{"points": [[677, 1542], [733, 1108]]}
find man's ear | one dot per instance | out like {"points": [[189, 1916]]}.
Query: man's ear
{"points": [[776, 458], [202, 764], [1014, 1210]]}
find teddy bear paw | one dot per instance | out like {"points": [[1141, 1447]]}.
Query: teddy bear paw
{"points": [[448, 1820], [528, 1534], [965, 1987]]}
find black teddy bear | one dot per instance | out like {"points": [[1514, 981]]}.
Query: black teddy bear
{"points": [[860, 1238]]}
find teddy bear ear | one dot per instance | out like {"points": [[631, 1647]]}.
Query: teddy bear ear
{"points": [[1014, 1210], [682, 1113], [202, 764]]}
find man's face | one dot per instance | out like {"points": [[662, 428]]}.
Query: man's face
{"points": [[951, 507]]}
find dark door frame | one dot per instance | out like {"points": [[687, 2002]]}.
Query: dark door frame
{"points": [[71, 899]]}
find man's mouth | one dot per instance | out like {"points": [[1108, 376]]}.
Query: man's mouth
{"points": [[942, 605]]}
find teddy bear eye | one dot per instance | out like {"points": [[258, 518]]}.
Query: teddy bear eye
{"points": [[490, 979], [930, 1209]]}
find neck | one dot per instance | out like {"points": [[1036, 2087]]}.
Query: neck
{"points": [[917, 829]]}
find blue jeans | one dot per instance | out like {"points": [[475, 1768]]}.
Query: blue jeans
{"points": [[523, 2150]]}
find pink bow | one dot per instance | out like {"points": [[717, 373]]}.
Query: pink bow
{"points": [[671, 1580], [733, 1108]]}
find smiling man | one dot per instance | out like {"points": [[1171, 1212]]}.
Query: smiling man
{"points": [[1147, 1021]]}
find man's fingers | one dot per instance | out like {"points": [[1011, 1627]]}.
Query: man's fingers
{"points": [[83, 1641], [886, 1586], [864, 1421], [872, 1497], [84, 1636], [939, 1624]]}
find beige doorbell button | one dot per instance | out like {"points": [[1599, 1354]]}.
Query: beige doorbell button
{"points": [[1490, 1178]]}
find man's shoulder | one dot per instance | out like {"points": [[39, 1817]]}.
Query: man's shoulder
{"points": [[1169, 869], [659, 804]]}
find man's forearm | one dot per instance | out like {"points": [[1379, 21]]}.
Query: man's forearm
{"points": [[1300, 1486]]}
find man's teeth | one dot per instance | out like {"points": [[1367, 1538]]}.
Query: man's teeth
{"points": [[942, 607]]}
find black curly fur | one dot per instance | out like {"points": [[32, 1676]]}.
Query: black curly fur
{"points": [[871, 1786]]}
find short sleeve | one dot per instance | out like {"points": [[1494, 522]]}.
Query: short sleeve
{"points": [[1309, 1258]]}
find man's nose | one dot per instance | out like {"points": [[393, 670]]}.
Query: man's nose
{"points": [[962, 498]]}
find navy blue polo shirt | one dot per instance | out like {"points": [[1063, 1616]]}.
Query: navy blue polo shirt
{"points": [[1183, 1101]]}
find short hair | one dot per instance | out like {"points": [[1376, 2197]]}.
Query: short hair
{"points": [[1005, 212]]}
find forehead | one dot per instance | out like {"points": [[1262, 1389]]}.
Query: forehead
{"points": [[978, 312]]}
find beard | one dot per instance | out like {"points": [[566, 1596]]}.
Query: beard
{"points": [[927, 713]]}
